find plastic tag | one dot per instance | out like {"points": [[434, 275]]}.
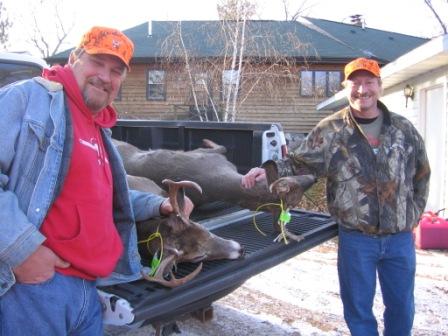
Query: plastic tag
{"points": [[285, 216], [155, 262]]}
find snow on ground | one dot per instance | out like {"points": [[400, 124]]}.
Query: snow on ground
{"points": [[300, 297]]}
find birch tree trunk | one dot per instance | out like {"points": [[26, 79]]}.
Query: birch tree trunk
{"points": [[234, 56], [190, 76], [240, 63]]}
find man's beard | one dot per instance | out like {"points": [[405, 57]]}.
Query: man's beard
{"points": [[94, 104]]}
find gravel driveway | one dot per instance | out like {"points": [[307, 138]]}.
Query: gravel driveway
{"points": [[300, 297]]}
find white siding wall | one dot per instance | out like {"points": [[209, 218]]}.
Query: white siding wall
{"points": [[416, 112]]}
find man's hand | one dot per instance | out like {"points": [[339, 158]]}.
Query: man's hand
{"points": [[166, 208], [252, 177], [39, 267]]}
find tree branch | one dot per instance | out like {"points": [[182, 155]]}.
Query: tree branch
{"points": [[442, 24]]}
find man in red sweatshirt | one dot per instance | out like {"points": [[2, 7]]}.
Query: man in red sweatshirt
{"points": [[77, 222]]}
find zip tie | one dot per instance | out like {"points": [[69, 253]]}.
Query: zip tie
{"points": [[256, 210], [284, 218]]}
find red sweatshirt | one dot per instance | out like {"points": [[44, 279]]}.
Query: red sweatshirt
{"points": [[79, 225]]}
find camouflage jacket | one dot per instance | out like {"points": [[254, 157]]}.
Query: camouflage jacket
{"points": [[376, 194]]}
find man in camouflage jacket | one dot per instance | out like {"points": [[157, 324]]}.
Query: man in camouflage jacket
{"points": [[377, 175], [379, 193]]}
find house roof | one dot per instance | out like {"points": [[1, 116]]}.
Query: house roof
{"points": [[310, 40], [421, 60], [375, 43]]}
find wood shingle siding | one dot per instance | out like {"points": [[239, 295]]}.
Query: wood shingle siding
{"points": [[273, 103]]}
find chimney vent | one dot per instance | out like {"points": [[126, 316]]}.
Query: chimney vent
{"points": [[358, 20]]}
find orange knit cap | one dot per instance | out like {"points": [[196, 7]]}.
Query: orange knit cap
{"points": [[103, 40], [362, 64]]}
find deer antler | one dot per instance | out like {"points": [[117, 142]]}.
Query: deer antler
{"points": [[166, 267], [177, 198], [290, 235]]}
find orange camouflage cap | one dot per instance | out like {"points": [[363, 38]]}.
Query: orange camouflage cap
{"points": [[362, 64], [110, 41]]}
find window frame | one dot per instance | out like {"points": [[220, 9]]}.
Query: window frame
{"points": [[202, 87], [232, 82], [162, 84], [314, 82]]}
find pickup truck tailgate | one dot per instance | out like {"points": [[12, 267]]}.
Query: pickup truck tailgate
{"points": [[153, 303]]}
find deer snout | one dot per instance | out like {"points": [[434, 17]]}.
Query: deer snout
{"points": [[236, 250]]}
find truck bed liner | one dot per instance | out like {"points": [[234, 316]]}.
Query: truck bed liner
{"points": [[154, 303]]}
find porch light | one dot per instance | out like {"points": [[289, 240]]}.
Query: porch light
{"points": [[408, 93]]}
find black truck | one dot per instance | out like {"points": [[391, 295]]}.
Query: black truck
{"points": [[248, 145]]}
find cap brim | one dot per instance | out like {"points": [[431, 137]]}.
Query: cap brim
{"points": [[351, 73], [98, 51]]}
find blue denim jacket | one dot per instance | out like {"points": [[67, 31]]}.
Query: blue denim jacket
{"points": [[35, 150]]}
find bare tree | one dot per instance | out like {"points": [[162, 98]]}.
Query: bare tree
{"points": [[303, 7], [246, 61], [191, 74], [49, 42], [5, 24], [187, 68], [437, 16], [235, 10]]}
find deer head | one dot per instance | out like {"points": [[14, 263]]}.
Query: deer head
{"points": [[181, 240], [290, 190]]}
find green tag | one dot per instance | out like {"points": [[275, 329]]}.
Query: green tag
{"points": [[285, 216], [155, 262]]}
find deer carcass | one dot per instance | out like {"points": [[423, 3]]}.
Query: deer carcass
{"points": [[178, 239], [208, 167], [218, 177]]}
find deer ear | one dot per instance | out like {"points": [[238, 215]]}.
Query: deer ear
{"points": [[175, 224], [271, 171]]}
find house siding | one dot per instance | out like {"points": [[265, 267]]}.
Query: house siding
{"points": [[274, 100], [416, 112]]}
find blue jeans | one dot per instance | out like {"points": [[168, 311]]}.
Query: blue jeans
{"points": [[360, 258], [63, 305]]}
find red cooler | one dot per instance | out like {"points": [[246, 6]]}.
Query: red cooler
{"points": [[432, 231]]}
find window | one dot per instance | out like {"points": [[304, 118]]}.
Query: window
{"points": [[334, 82], [201, 81], [201, 87], [229, 82], [156, 85], [306, 83], [319, 83]]}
